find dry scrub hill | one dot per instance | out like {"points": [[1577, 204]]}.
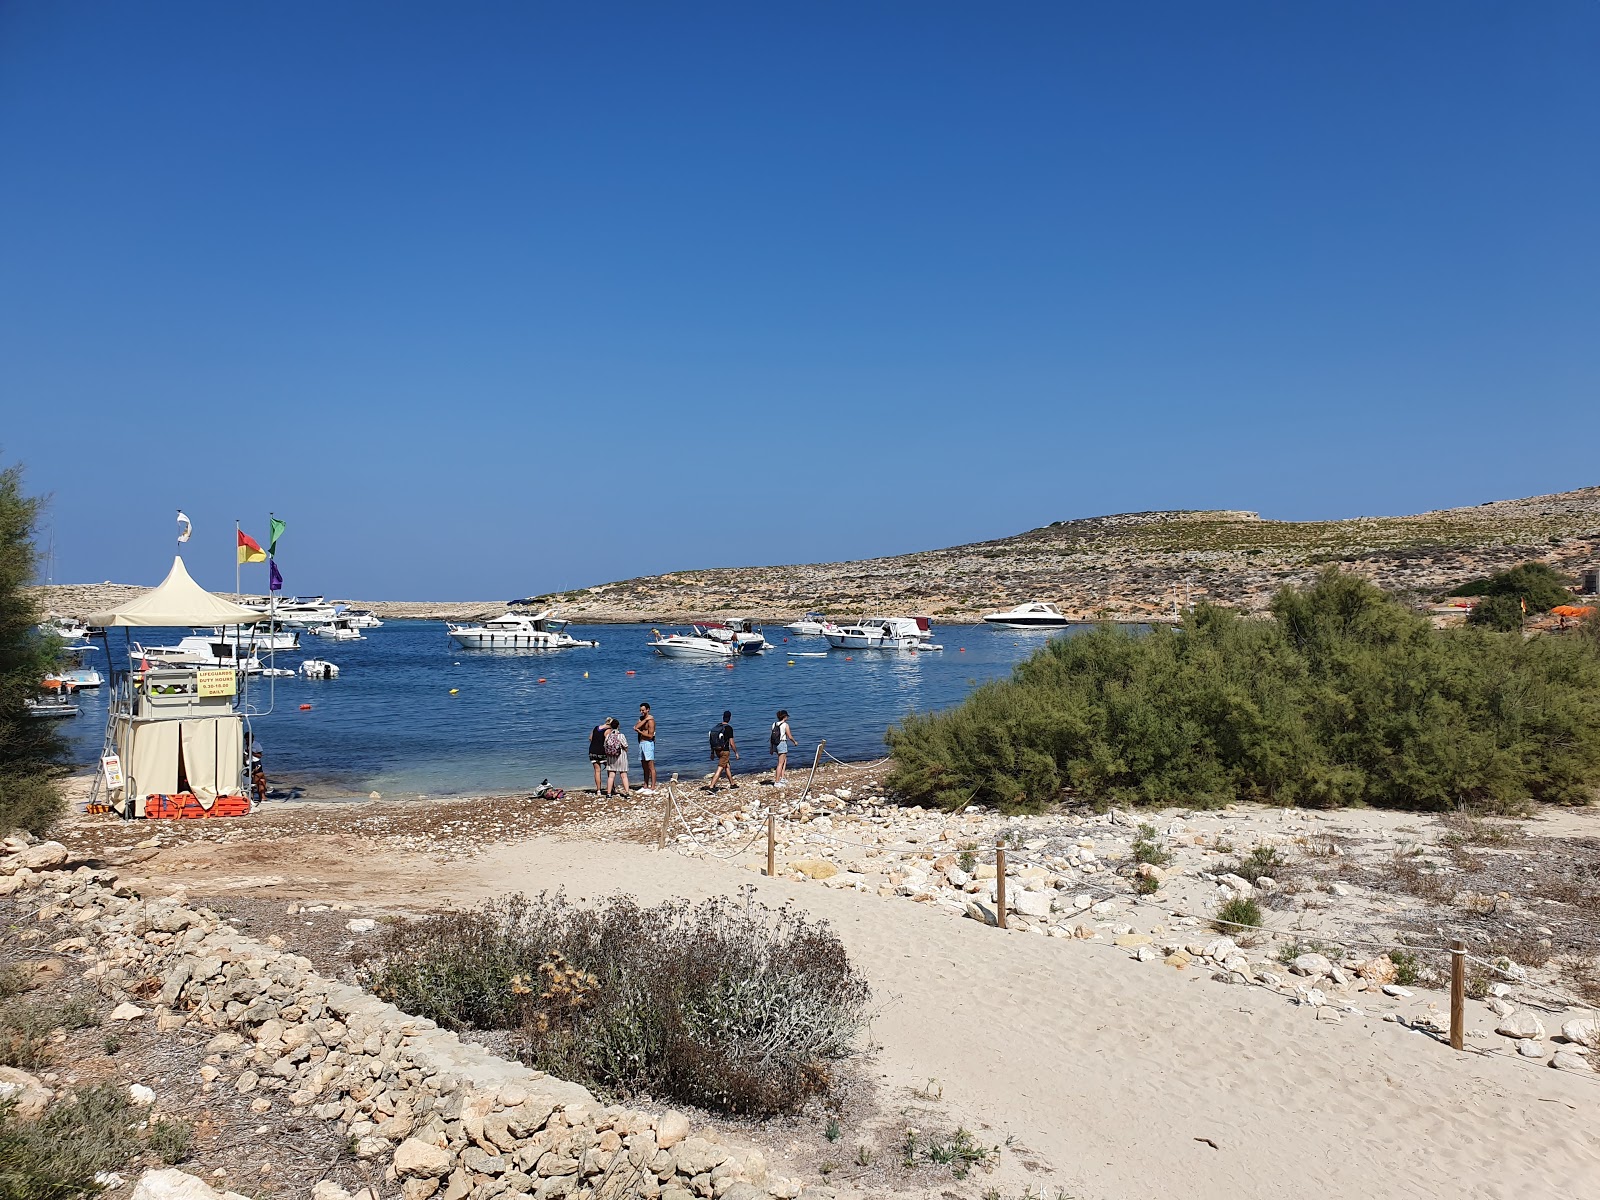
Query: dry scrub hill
{"points": [[1131, 565]]}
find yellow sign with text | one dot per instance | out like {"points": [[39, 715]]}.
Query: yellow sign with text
{"points": [[218, 683]]}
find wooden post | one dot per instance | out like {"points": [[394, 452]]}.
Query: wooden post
{"points": [[772, 844], [666, 814], [1458, 995], [1000, 885]]}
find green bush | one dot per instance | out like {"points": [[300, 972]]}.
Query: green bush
{"points": [[1241, 910], [1535, 583], [1502, 613], [1345, 696], [734, 1008]]}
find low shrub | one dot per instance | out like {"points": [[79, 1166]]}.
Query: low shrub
{"points": [[90, 1131], [731, 1007], [1262, 860], [1407, 967], [1241, 910], [1147, 850], [25, 1028]]}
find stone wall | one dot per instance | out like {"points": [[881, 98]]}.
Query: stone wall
{"points": [[448, 1118]]}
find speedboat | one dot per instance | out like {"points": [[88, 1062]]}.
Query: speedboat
{"points": [[692, 645], [517, 631], [68, 629], [337, 630], [810, 625], [297, 612], [319, 668], [743, 633], [255, 637], [52, 706], [196, 652], [1033, 615], [881, 633], [362, 618], [74, 678]]}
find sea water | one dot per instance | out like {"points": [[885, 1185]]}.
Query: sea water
{"points": [[413, 714]]}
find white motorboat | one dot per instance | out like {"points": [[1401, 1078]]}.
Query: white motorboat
{"points": [[256, 638], [362, 618], [337, 630], [51, 706], [692, 645], [319, 668], [880, 633], [76, 677], [810, 625], [297, 612], [1034, 615], [517, 631], [743, 634], [197, 651], [68, 629]]}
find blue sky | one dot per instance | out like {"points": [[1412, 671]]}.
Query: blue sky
{"points": [[491, 299]]}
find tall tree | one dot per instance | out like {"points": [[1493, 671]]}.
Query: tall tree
{"points": [[30, 751]]}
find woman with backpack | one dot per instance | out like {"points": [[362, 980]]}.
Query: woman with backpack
{"points": [[616, 758], [778, 742]]}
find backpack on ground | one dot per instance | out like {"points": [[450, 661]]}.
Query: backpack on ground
{"points": [[774, 737]]}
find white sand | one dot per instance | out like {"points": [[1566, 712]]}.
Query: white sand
{"points": [[1110, 1071]]}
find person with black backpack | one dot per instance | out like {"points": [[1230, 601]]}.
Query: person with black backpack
{"points": [[779, 740], [722, 748]]}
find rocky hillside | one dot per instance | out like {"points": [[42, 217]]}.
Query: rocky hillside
{"points": [[1135, 565], [1132, 564]]}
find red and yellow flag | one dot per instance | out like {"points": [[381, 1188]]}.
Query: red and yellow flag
{"points": [[249, 549]]}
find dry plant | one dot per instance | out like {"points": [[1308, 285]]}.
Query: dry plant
{"points": [[733, 1007]]}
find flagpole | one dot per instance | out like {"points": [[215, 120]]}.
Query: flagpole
{"points": [[236, 558]]}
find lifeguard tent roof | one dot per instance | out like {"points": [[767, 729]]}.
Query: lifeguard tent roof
{"points": [[177, 600]]}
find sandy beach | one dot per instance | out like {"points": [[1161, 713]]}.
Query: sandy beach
{"points": [[1095, 1075]]}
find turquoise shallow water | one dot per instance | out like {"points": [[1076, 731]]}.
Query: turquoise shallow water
{"points": [[389, 723]]}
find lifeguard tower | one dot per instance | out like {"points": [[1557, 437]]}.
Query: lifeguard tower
{"points": [[174, 730]]}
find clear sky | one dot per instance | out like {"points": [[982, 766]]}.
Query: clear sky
{"points": [[492, 299]]}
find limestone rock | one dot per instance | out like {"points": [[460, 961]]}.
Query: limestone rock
{"points": [[1529, 1048], [1522, 1025], [982, 910], [1312, 965], [40, 857], [671, 1129], [1029, 903], [1379, 970], [1571, 1060], [815, 868], [126, 1012], [171, 1184], [416, 1158], [1585, 1033], [29, 1095], [361, 925]]}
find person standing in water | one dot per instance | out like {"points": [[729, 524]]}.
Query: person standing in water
{"points": [[780, 742], [645, 730]]}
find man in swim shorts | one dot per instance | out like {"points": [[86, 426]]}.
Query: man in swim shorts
{"points": [[645, 730]]}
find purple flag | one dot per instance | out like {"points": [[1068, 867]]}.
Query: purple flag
{"points": [[274, 577]]}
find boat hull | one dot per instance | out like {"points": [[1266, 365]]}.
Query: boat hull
{"points": [[858, 641], [686, 650], [1029, 622]]}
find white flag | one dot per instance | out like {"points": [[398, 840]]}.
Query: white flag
{"points": [[187, 527]]}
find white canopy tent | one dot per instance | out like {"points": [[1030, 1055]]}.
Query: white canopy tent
{"points": [[177, 601], [158, 748]]}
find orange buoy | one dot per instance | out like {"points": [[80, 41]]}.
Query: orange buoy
{"points": [[727, 666], [630, 672], [305, 708], [963, 649], [541, 679], [849, 658]]}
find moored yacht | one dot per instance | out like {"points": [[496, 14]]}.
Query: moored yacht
{"points": [[1034, 615], [517, 631], [744, 635], [692, 645], [881, 633], [810, 625], [196, 652]]}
